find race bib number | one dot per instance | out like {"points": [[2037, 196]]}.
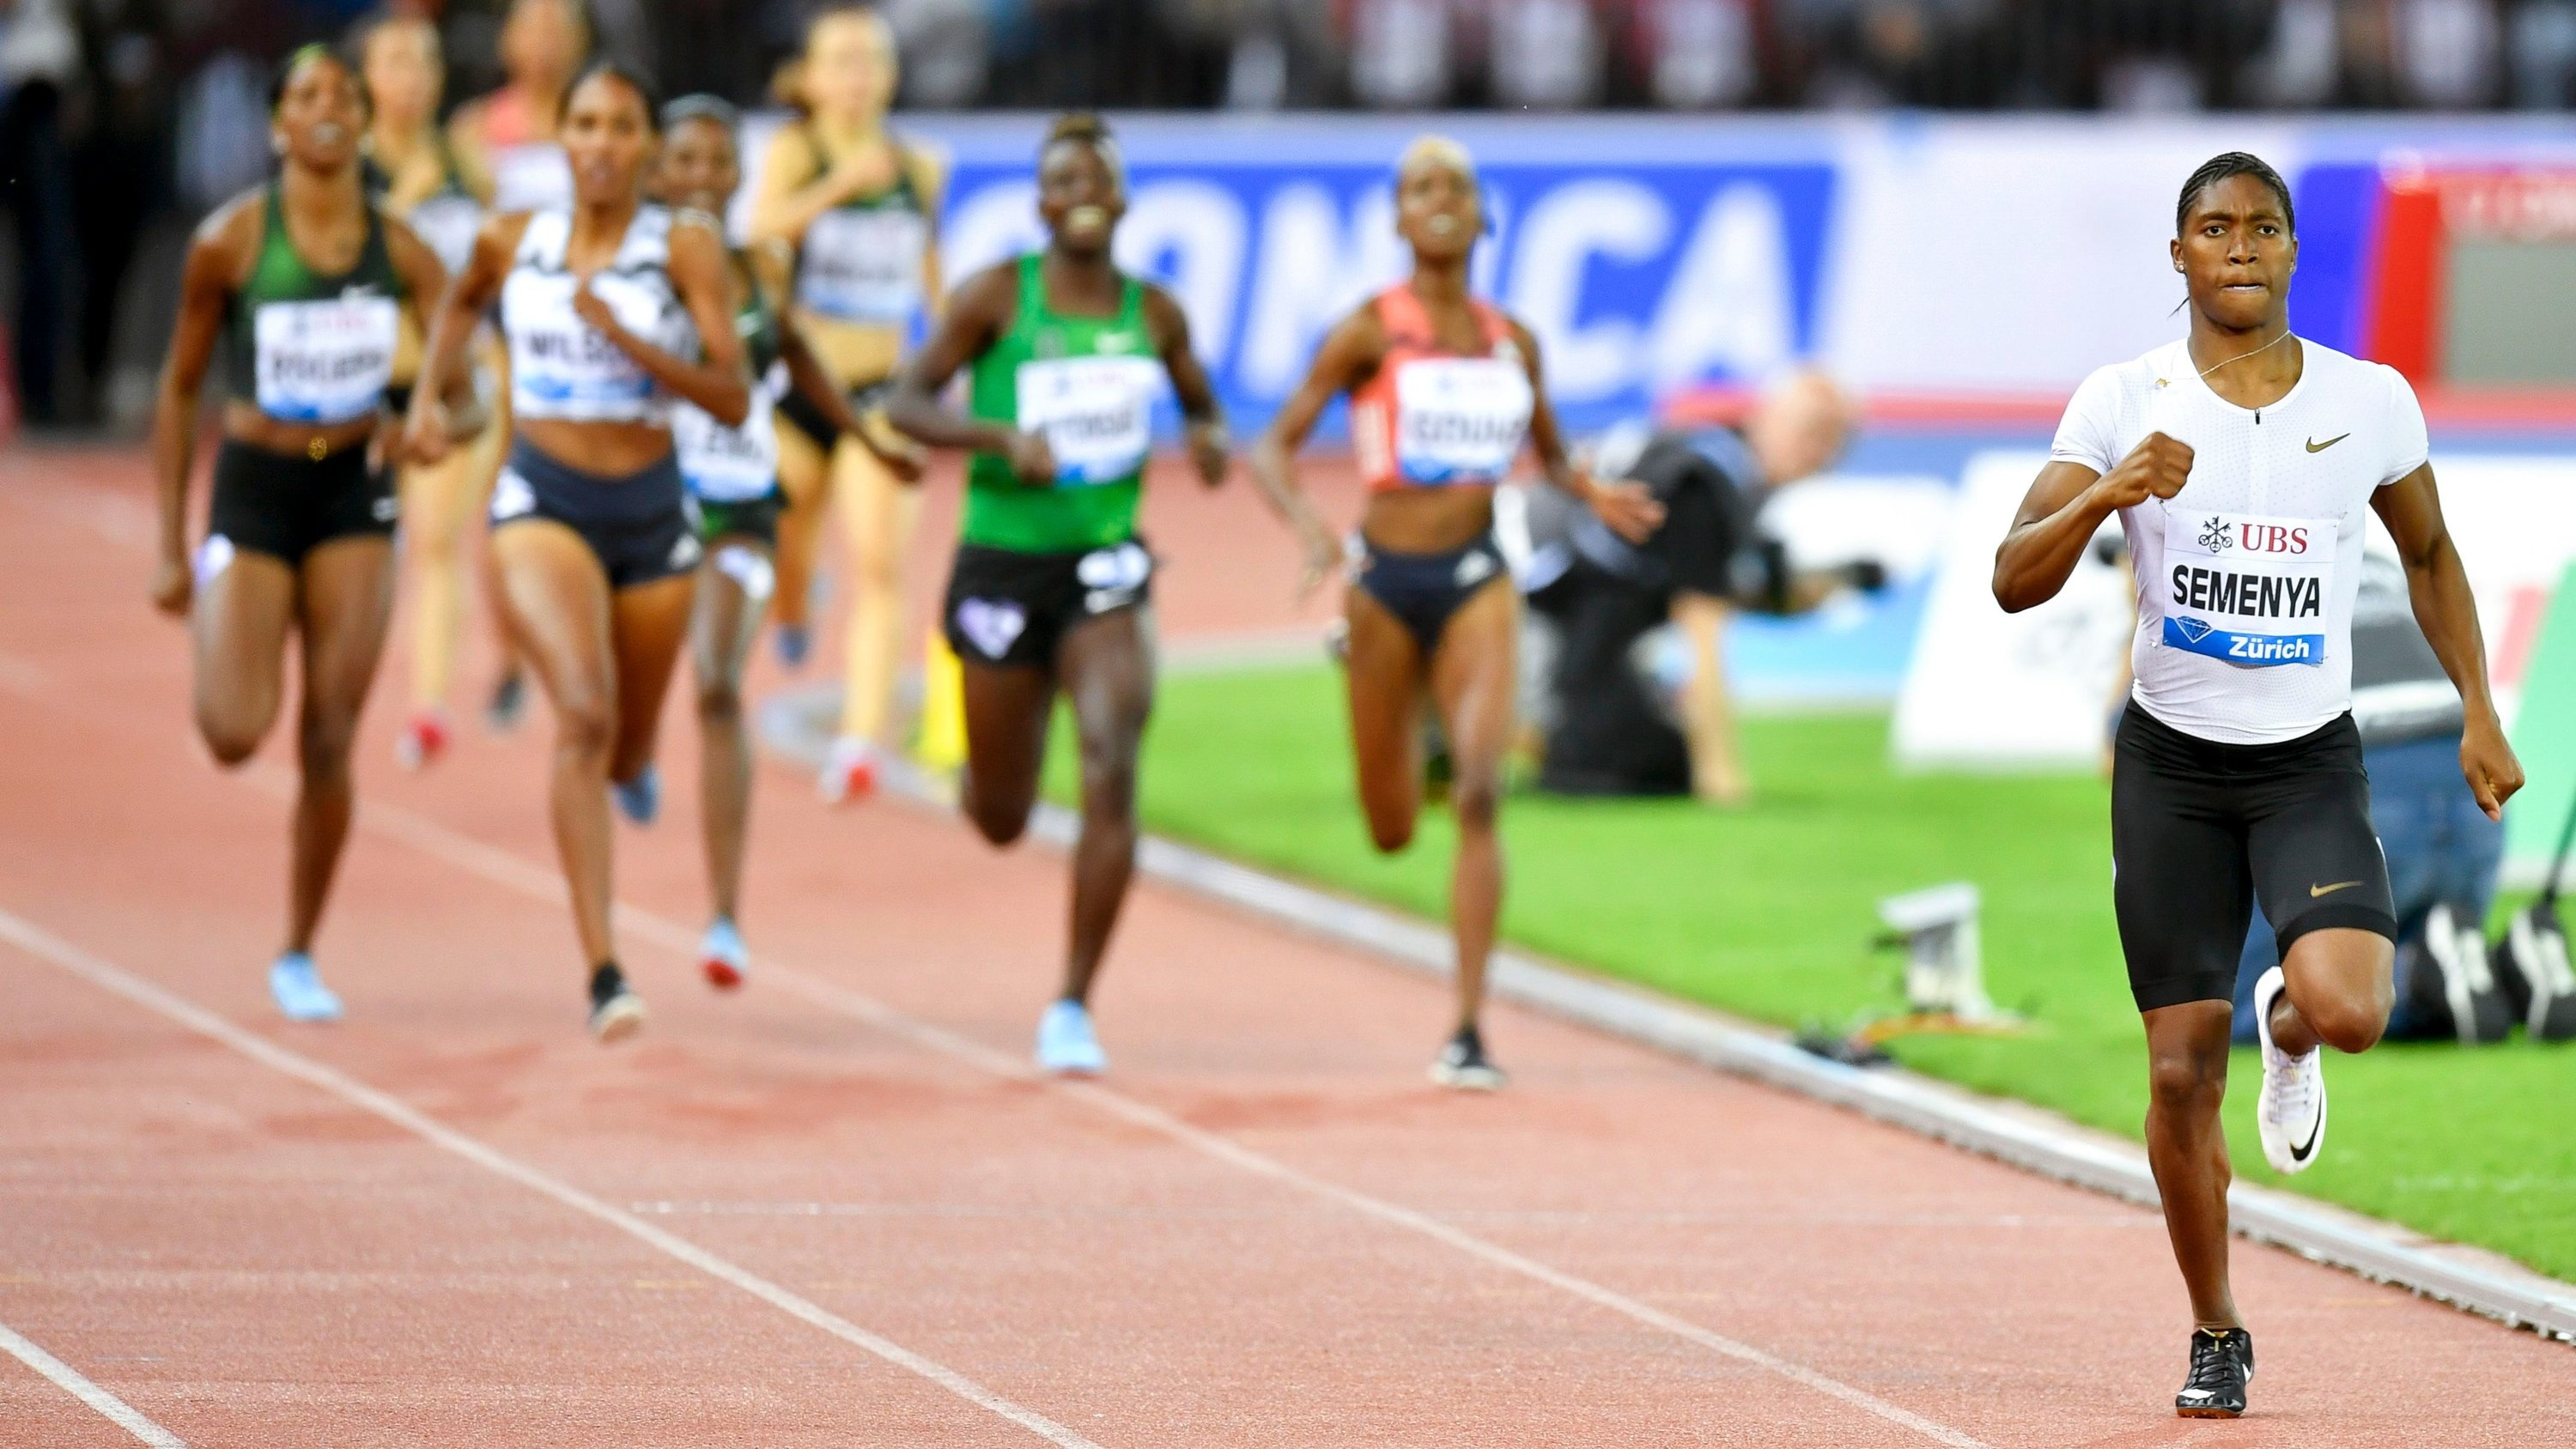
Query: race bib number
{"points": [[863, 266], [325, 361], [1459, 419], [2248, 589], [566, 367], [1097, 413], [727, 465]]}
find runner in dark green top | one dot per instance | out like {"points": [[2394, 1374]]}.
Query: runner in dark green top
{"points": [[1050, 587], [732, 475], [302, 285]]}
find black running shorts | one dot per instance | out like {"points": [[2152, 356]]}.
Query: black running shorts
{"points": [[1007, 608], [286, 505], [2201, 831]]}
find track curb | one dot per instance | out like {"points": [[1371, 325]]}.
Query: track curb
{"points": [[2015, 1133]]}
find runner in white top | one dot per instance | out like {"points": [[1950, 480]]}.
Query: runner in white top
{"points": [[2239, 462]]}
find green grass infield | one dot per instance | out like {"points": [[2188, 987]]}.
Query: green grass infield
{"points": [[1769, 913]]}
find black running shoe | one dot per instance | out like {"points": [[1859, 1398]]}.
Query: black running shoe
{"points": [[509, 701], [2222, 1363], [1463, 1064], [616, 1012]]}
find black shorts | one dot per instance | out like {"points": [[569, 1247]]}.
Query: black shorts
{"points": [[642, 528], [286, 505], [753, 518], [2200, 832], [809, 419], [1423, 589], [1006, 608]]}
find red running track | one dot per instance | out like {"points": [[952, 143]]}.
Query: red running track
{"points": [[836, 1209]]}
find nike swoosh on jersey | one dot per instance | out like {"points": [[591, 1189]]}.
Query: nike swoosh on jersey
{"points": [[2315, 891], [2316, 447]]}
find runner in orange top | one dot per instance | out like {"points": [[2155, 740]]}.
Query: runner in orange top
{"points": [[1444, 389]]}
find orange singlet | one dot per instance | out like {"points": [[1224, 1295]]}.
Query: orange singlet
{"points": [[1431, 417]]}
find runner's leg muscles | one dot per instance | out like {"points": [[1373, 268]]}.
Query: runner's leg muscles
{"points": [[555, 600], [238, 632], [647, 624], [1472, 678], [2340, 986], [347, 602], [1107, 665], [877, 516], [2186, 1081], [1007, 709], [726, 622], [1384, 679]]}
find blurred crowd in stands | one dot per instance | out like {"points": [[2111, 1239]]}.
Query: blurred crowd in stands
{"points": [[121, 119]]}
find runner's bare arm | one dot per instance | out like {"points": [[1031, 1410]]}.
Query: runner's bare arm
{"points": [[206, 283], [424, 280], [1170, 327], [975, 318], [930, 184], [1350, 352], [784, 206], [813, 382], [2066, 507], [703, 277], [470, 293], [1628, 507], [2439, 586]]}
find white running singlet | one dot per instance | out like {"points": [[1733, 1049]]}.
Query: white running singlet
{"points": [[2246, 578], [562, 367]]}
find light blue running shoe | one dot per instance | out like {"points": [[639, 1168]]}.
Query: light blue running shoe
{"points": [[299, 989], [722, 955], [1066, 1045], [639, 799]]}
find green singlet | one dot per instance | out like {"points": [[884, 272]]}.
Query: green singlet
{"points": [[1088, 384], [307, 348]]}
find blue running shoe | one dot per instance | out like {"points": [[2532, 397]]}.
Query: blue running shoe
{"points": [[639, 799], [794, 642], [722, 955], [299, 989], [1066, 1045]]}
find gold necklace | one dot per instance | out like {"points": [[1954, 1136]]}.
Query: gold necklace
{"points": [[2240, 357]]}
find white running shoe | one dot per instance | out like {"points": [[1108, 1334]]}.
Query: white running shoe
{"points": [[849, 772], [1066, 1043], [299, 989], [2291, 1113]]}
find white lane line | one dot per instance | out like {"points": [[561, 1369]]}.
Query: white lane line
{"points": [[70, 1380], [506, 869], [38, 942]]}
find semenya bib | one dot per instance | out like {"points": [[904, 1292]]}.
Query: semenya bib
{"points": [[861, 261], [2246, 579], [737, 465], [1430, 417], [303, 347], [1088, 384], [560, 366]]}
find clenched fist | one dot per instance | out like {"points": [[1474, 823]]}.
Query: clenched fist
{"points": [[2156, 468]]}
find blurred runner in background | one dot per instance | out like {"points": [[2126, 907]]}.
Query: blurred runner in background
{"points": [[413, 172], [855, 207]]}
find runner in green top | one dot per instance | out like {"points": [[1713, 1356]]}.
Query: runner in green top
{"points": [[1050, 587], [302, 285]]}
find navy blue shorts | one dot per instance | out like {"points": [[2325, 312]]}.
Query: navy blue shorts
{"points": [[1422, 590], [642, 527]]}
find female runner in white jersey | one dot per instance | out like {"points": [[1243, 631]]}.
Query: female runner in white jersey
{"points": [[2240, 461], [732, 473], [1444, 389], [305, 284], [855, 210], [606, 308]]}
